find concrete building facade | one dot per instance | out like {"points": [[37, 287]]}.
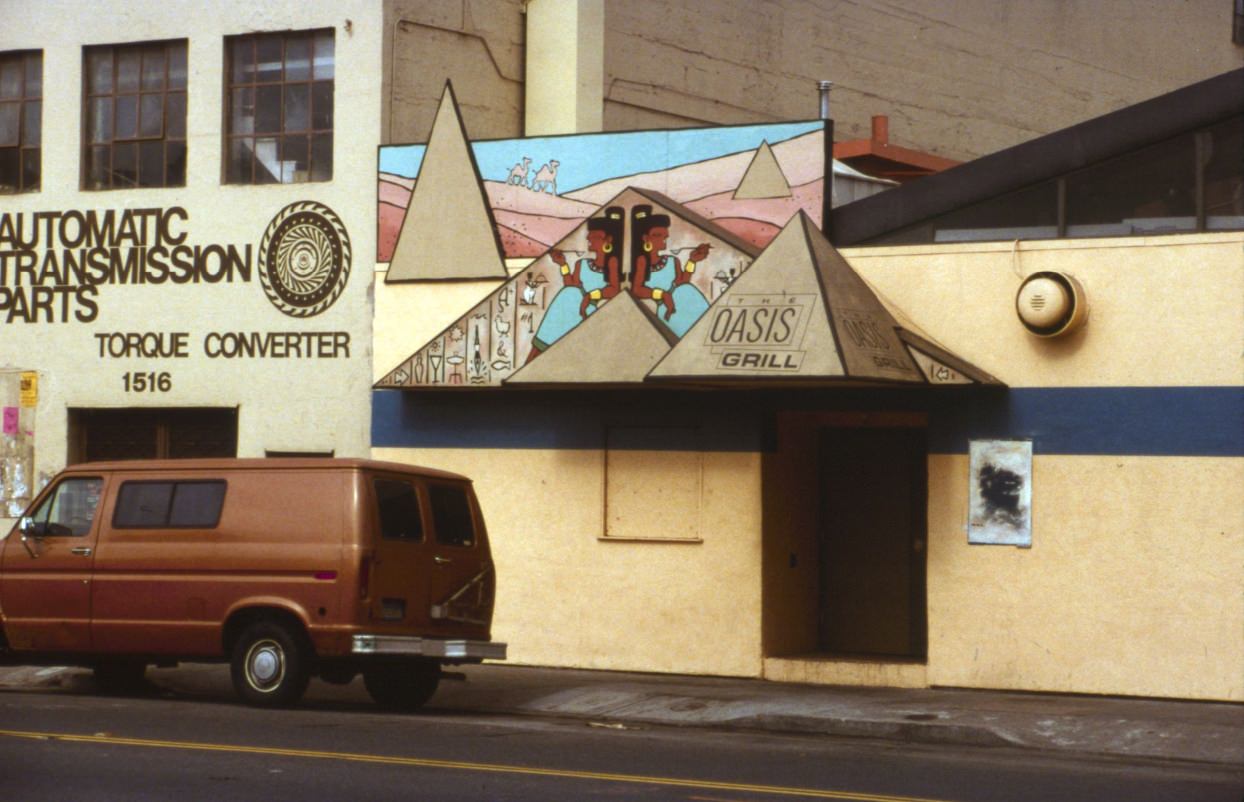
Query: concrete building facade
{"points": [[189, 274]]}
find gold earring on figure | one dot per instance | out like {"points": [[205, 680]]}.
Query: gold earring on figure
{"points": [[647, 247], [608, 247]]}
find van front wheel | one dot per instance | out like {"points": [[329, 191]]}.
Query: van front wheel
{"points": [[402, 686], [270, 666]]}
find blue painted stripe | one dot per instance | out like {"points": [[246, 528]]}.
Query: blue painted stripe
{"points": [[1154, 421], [1147, 421]]}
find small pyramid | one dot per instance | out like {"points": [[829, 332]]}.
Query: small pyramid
{"points": [[448, 231], [617, 344], [764, 178]]}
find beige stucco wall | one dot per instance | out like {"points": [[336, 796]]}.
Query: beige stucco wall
{"points": [[1163, 311], [1132, 585], [957, 79], [318, 404], [568, 597]]}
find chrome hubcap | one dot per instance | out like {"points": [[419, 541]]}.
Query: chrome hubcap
{"points": [[265, 665]]}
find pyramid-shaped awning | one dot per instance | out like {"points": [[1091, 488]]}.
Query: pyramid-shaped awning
{"points": [[801, 315], [448, 232]]}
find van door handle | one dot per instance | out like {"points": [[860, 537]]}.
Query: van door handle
{"points": [[84, 551], [439, 560]]}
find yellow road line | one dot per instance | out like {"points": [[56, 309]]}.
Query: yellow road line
{"points": [[772, 790]]}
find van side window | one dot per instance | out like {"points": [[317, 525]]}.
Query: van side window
{"points": [[451, 514], [398, 505], [184, 505], [70, 510]]}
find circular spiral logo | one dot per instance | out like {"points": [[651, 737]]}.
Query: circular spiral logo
{"points": [[304, 259]]}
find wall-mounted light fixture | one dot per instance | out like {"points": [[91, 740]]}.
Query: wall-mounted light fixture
{"points": [[1050, 304]]}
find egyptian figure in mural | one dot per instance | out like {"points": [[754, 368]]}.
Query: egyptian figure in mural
{"points": [[661, 276], [586, 284]]}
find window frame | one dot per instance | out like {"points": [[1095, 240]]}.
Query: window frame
{"points": [[420, 505], [112, 142], [172, 499], [433, 488], [664, 446], [23, 100], [233, 87]]}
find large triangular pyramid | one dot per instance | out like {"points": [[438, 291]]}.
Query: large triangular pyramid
{"points": [[764, 177], [617, 344], [448, 231], [801, 313]]}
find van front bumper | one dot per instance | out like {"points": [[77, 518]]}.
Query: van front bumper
{"points": [[428, 647]]}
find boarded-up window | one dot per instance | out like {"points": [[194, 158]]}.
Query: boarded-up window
{"points": [[654, 479]]}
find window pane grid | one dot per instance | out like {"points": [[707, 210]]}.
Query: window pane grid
{"points": [[280, 108], [21, 121], [135, 99]]}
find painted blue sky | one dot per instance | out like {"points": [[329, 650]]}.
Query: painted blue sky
{"points": [[629, 152]]}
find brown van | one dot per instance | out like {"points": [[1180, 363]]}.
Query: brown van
{"points": [[286, 568]]}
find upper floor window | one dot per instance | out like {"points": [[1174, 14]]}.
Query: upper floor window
{"points": [[135, 132], [21, 115], [279, 117]]}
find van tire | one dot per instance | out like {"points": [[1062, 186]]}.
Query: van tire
{"points": [[271, 665], [402, 686]]}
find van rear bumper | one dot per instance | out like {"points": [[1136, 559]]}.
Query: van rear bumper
{"points": [[428, 647]]}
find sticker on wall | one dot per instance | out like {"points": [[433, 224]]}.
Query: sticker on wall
{"points": [[29, 388], [304, 259], [1000, 492]]}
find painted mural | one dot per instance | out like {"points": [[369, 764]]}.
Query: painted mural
{"points": [[749, 180], [633, 240], [639, 244]]}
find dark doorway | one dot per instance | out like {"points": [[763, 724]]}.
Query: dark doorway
{"points": [[872, 542], [123, 434]]}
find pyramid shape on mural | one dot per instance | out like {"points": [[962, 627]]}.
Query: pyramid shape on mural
{"points": [[491, 343], [448, 212], [764, 177], [801, 312], [617, 344]]}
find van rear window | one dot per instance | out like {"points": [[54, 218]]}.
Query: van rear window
{"points": [[451, 514], [173, 505], [398, 506]]}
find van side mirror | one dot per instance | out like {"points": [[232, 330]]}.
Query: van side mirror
{"points": [[31, 530]]}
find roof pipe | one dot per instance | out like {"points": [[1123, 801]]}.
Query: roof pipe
{"points": [[827, 192]]}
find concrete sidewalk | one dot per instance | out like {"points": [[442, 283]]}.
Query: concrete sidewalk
{"points": [[1202, 732]]}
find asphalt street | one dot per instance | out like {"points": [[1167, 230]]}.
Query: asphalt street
{"points": [[75, 744]]}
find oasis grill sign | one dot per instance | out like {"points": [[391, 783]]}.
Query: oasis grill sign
{"points": [[57, 267]]}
